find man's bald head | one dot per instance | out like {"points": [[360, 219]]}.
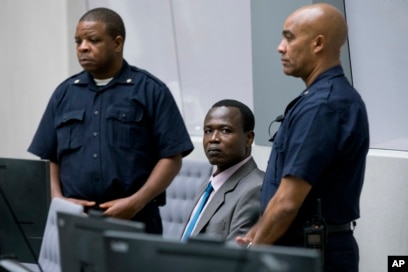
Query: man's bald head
{"points": [[322, 19], [312, 40]]}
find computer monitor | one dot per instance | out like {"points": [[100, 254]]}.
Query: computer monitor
{"points": [[24, 202], [81, 240], [126, 252]]}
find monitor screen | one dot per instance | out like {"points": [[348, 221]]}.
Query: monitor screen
{"points": [[81, 240], [24, 202], [126, 252]]}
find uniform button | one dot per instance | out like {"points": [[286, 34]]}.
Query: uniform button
{"points": [[129, 80], [95, 134], [95, 156], [76, 81], [96, 112]]}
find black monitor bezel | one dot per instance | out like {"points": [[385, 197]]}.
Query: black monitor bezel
{"points": [[23, 206], [126, 250], [81, 239]]}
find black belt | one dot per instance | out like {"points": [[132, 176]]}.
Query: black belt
{"points": [[341, 228]]}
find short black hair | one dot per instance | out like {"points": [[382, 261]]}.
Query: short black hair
{"points": [[248, 119], [114, 23]]}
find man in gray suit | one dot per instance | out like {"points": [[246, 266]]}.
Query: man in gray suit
{"points": [[234, 200]]}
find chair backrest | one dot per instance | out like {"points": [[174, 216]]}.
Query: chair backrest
{"points": [[49, 257], [180, 195]]}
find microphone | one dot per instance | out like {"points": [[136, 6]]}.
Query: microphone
{"points": [[20, 229], [278, 119]]}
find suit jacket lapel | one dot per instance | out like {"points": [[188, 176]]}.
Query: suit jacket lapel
{"points": [[219, 197]]}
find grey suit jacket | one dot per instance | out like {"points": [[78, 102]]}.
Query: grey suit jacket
{"points": [[231, 211]]}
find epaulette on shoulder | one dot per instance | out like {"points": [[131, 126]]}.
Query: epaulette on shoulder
{"points": [[147, 74], [75, 75]]}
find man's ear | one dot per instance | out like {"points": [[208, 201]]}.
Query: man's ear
{"points": [[250, 138], [119, 42], [319, 43]]}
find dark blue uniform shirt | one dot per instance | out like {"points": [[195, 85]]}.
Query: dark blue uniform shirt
{"points": [[323, 139], [106, 140]]}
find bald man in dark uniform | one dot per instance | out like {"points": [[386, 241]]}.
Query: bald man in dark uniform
{"points": [[319, 152]]}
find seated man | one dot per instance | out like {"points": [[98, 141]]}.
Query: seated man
{"points": [[231, 205]]}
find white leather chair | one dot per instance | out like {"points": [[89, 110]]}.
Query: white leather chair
{"points": [[49, 257], [180, 195]]}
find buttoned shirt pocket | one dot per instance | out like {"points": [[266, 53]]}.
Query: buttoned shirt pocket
{"points": [[126, 128], [70, 131]]}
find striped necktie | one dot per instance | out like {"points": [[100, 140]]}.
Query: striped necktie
{"points": [[200, 207]]}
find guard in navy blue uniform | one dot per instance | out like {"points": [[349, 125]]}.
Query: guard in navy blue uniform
{"points": [[319, 152], [113, 133]]}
